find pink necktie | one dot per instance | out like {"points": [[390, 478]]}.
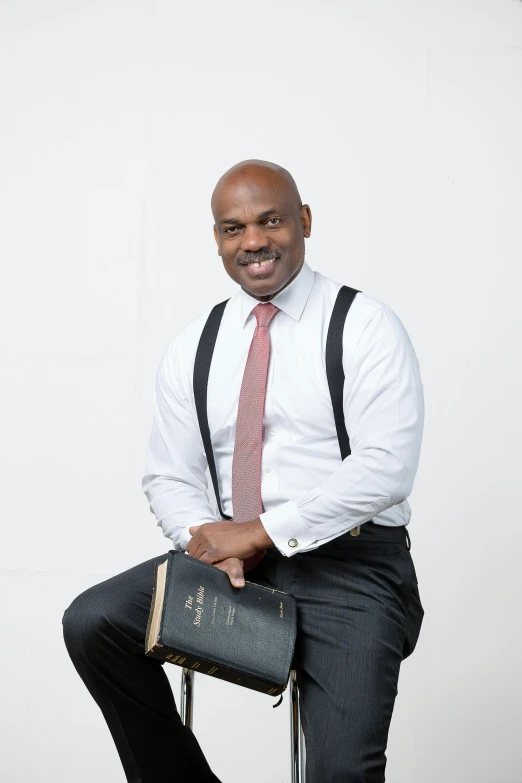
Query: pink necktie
{"points": [[246, 461]]}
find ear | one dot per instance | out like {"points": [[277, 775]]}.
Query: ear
{"points": [[217, 239], [306, 219]]}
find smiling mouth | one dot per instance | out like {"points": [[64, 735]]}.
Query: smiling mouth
{"points": [[259, 264]]}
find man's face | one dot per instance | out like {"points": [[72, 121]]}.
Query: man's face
{"points": [[260, 229]]}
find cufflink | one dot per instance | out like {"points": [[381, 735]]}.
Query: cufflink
{"points": [[293, 542]]}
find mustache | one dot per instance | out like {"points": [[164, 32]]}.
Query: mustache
{"points": [[260, 255]]}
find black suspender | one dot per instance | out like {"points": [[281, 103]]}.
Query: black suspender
{"points": [[334, 363], [334, 373], [202, 362]]}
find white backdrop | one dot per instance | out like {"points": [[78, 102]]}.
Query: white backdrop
{"points": [[401, 123]]}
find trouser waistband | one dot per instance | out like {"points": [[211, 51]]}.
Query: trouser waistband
{"points": [[371, 531]]}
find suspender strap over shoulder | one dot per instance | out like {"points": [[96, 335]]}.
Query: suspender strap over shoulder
{"points": [[202, 362], [334, 363], [334, 373]]}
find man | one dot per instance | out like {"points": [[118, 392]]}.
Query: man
{"points": [[332, 532]]}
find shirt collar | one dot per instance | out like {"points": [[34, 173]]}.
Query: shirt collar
{"points": [[291, 300]]}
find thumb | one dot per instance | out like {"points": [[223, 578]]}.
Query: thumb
{"points": [[235, 573], [193, 529]]}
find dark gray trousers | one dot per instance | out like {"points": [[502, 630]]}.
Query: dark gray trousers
{"points": [[359, 616]]}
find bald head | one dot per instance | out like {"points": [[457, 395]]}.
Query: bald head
{"points": [[253, 174], [260, 225]]}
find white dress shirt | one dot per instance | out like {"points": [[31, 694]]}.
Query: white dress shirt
{"points": [[309, 494]]}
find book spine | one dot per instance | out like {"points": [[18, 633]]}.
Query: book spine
{"points": [[153, 601], [187, 661]]}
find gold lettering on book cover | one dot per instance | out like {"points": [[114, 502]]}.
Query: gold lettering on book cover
{"points": [[214, 607], [231, 615], [197, 619]]}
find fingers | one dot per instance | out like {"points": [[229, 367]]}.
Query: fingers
{"points": [[204, 551], [197, 548], [202, 548], [217, 541], [206, 557]]}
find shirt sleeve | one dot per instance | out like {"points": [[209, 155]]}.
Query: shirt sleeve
{"points": [[175, 482], [384, 414]]}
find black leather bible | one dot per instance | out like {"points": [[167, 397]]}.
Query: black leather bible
{"points": [[198, 620]]}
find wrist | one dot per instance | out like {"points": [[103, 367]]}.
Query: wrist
{"points": [[261, 537]]}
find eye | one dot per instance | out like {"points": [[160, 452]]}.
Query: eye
{"points": [[273, 221], [230, 230]]}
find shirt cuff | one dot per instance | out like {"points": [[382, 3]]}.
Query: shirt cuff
{"points": [[287, 529], [184, 538]]}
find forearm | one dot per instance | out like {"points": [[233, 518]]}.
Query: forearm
{"points": [[176, 505], [175, 481], [364, 485], [384, 415]]}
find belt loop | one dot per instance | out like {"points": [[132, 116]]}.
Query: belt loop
{"points": [[355, 530], [408, 544]]}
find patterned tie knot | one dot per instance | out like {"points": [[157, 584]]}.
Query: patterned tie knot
{"points": [[264, 312]]}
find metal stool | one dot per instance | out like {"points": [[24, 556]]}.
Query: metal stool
{"points": [[297, 746]]}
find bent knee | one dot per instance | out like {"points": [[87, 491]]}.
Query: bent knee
{"points": [[82, 620]]}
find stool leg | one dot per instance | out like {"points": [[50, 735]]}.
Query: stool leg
{"points": [[302, 752], [187, 696], [296, 733]]}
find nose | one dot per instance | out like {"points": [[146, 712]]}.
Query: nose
{"points": [[253, 238]]}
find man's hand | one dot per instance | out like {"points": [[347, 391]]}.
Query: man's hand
{"points": [[213, 542], [233, 566]]}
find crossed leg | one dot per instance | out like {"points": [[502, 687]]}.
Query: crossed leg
{"points": [[104, 631]]}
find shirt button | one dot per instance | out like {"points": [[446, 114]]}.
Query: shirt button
{"points": [[267, 469], [293, 542], [272, 432]]}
